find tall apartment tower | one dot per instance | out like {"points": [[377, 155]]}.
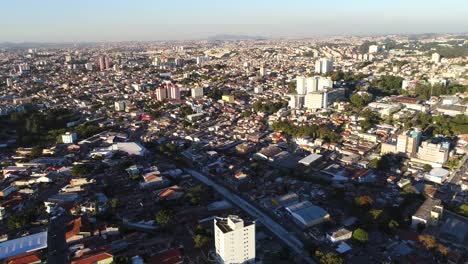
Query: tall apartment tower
{"points": [[408, 143], [323, 66], [262, 71], [435, 57], [234, 240], [102, 63], [301, 85], [312, 84], [107, 62], [174, 92], [161, 93]]}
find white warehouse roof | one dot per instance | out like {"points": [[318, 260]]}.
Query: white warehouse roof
{"points": [[23, 245]]}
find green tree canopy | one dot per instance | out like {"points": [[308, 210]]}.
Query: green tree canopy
{"points": [[360, 235]]}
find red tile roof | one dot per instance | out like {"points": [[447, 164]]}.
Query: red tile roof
{"points": [[170, 256], [91, 259]]}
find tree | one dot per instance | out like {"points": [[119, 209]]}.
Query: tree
{"points": [[359, 101], [393, 224], [330, 258], [463, 209], [200, 240], [370, 119], [164, 216], [363, 201], [443, 250], [16, 222], [114, 203], [80, 170], [428, 241], [360, 235], [427, 167], [36, 152], [388, 85]]}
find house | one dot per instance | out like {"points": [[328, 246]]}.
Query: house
{"points": [[168, 256], [96, 258], [429, 213], [339, 234]]}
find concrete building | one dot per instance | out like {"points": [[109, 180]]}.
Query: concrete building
{"points": [[296, 101], [433, 154], [408, 143], [435, 57], [437, 175], [197, 92], [234, 240], [258, 90], [228, 98], [374, 49], [324, 83], [262, 71], [428, 214], [161, 93], [120, 106], [323, 66], [312, 84], [174, 92], [307, 214], [89, 66], [102, 63], [301, 85], [69, 138], [314, 100]]}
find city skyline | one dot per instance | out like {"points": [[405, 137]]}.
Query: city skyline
{"points": [[87, 21]]}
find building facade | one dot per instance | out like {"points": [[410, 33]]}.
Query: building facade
{"points": [[234, 240]]}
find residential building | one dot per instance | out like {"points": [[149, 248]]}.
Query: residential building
{"points": [[69, 138], [234, 240], [428, 214], [161, 93], [323, 66], [197, 92], [435, 57]]}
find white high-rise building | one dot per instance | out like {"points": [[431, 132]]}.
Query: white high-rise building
{"points": [[323, 65], [312, 84], [262, 71], [435, 57], [296, 101], [234, 240], [324, 83], [314, 100], [301, 85], [197, 92], [374, 48]]}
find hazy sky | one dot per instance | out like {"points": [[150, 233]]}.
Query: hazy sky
{"points": [[119, 20]]}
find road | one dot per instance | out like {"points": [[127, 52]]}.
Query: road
{"points": [[289, 239]]}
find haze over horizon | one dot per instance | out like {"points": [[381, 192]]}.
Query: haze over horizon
{"points": [[83, 21]]}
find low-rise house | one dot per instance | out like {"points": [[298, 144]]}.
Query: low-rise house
{"points": [[339, 234], [428, 213]]}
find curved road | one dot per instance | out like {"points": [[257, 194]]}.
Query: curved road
{"points": [[289, 239]]}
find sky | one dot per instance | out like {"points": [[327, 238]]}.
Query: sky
{"points": [[147, 20]]}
